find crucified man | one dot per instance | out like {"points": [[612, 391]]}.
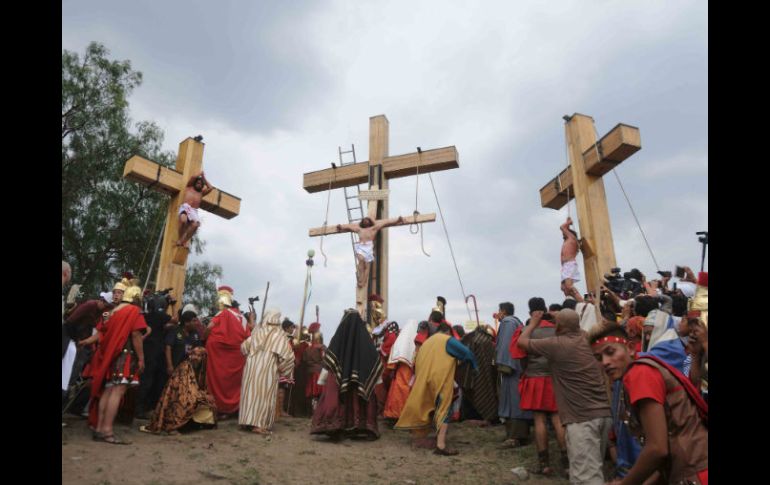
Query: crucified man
{"points": [[367, 230], [570, 273], [189, 222]]}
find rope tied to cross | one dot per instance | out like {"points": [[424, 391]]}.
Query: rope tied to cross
{"points": [[418, 226]]}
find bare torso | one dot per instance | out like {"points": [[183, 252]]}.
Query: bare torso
{"points": [[193, 197], [367, 234], [569, 250]]}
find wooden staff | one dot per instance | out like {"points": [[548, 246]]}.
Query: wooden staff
{"points": [[264, 303], [309, 264]]}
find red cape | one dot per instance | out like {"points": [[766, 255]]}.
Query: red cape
{"points": [[119, 327], [224, 366]]}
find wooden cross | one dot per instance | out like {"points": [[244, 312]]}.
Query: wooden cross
{"points": [[173, 259], [582, 180], [378, 171]]}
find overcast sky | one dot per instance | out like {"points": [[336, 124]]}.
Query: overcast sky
{"points": [[276, 87]]}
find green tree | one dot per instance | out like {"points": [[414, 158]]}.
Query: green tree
{"points": [[109, 225], [200, 286]]}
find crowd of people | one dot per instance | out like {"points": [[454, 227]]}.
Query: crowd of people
{"points": [[620, 378]]}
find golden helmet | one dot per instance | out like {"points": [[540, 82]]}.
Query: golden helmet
{"points": [[224, 297], [133, 292], [440, 305], [377, 310], [121, 285]]}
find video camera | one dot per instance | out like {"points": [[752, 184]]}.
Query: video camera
{"points": [[158, 301], [253, 299], [626, 285]]}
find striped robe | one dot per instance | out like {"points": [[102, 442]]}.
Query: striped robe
{"points": [[268, 356]]}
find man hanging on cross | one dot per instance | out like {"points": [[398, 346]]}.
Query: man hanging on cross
{"points": [[189, 222], [367, 230], [570, 273]]}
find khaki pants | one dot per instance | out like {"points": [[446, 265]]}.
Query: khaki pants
{"points": [[586, 444]]}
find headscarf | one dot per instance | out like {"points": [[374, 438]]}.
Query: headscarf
{"points": [[664, 340], [352, 357], [273, 316], [634, 327], [404, 347]]}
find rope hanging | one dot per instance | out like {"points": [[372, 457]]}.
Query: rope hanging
{"points": [[155, 254], [149, 242], [451, 251], [637, 220], [628, 201], [326, 218], [415, 224]]}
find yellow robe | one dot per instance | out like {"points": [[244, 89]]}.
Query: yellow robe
{"points": [[434, 372]]}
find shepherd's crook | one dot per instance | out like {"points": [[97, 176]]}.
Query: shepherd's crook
{"points": [[475, 307]]}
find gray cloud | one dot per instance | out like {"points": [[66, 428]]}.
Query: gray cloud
{"points": [[275, 91], [245, 64]]}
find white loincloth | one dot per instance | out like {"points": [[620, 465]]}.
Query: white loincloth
{"points": [[192, 213], [365, 249], [569, 269]]}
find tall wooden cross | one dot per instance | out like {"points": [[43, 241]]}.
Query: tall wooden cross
{"points": [[582, 180], [189, 161], [378, 171]]}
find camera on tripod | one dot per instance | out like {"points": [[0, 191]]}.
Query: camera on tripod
{"points": [[625, 285], [253, 299], [704, 237]]}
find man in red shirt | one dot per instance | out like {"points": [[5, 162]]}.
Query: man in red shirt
{"points": [[662, 408]]}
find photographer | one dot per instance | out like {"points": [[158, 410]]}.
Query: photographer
{"points": [[154, 377]]}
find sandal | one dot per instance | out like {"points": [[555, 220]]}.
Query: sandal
{"points": [[543, 467], [445, 452], [114, 440], [144, 429], [97, 436]]}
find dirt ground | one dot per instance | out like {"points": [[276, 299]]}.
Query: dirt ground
{"points": [[227, 455]]}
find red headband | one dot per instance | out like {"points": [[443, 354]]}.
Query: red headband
{"points": [[610, 339]]}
